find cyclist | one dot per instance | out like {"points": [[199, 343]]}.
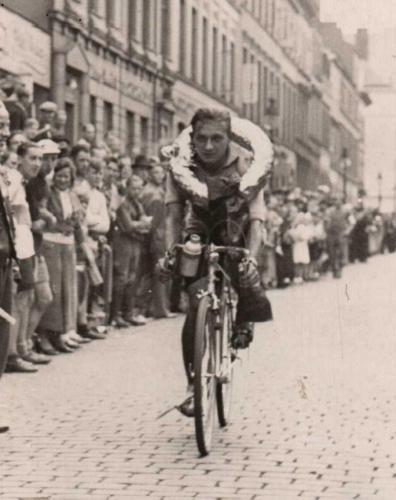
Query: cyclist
{"points": [[220, 213]]}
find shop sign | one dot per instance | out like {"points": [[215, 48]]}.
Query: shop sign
{"points": [[24, 48], [129, 86]]}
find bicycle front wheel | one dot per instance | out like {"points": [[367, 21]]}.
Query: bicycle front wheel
{"points": [[227, 358], [204, 375]]}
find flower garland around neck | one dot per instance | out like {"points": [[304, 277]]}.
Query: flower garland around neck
{"points": [[243, 132]]}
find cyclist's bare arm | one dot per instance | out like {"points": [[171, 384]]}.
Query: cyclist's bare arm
{"points": [[257, 211], [254, 238]]}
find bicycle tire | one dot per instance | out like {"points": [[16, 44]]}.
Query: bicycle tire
{"points": [[224, 387], [204, 376]]}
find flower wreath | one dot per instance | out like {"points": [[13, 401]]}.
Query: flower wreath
{"points": [[247, 135]]}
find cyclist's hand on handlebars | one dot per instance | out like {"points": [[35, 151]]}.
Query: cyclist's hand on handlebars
{"points": [[164, 268], [248, 271]]}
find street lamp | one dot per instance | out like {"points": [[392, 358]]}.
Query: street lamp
{"points": [[345, 165], [379, 180]]}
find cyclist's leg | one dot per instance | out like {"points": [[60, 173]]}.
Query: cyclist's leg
{"points": [[243, 330]]}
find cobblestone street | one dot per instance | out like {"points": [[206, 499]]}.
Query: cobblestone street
{"points": [[313, 414]]}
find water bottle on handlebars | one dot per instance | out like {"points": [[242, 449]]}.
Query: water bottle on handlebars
{"points": [[190, 256]]}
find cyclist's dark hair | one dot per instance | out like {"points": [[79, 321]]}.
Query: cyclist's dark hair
{"points": [[212, 115], [77, 149]]}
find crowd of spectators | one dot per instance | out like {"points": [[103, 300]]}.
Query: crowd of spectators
{"points": [[89, 229]]}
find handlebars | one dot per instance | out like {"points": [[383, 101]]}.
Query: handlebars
{"points": [[222, 249]]}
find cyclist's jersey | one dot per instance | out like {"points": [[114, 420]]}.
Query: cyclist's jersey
{"points": [[226, 217]]}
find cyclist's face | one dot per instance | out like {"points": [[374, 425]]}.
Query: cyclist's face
{"points": [[210, 140]]}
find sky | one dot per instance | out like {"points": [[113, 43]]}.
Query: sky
{"points": [[376, 15]]}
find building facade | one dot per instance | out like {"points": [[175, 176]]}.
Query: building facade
{"points": [[142, 67]]}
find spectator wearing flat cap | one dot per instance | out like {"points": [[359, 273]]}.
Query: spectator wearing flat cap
{"points": [[47, 115]]}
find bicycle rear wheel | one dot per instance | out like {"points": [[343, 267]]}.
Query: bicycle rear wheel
{"points": [[224, 386], [204, 375]]}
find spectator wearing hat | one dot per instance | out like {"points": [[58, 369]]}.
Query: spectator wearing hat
{"points": [[142, 167], [47, 114]]}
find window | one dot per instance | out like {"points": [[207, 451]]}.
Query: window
{"points": [[205, 52], [113, 13], [144, 134], [244, 61], [265, 88], [147, 24], [92, 109], [135, 20], [260, 92], [107, 117], [166, 29], [215, 71], [232, 71], [182, 29], [194, 44], [224, 67], [130, 131]]}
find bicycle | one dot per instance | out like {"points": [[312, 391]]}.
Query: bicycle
{"points": [[214, 356]]}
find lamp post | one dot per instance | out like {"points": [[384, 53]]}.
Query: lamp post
{"points": [[379, 180], [345, 165]]}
